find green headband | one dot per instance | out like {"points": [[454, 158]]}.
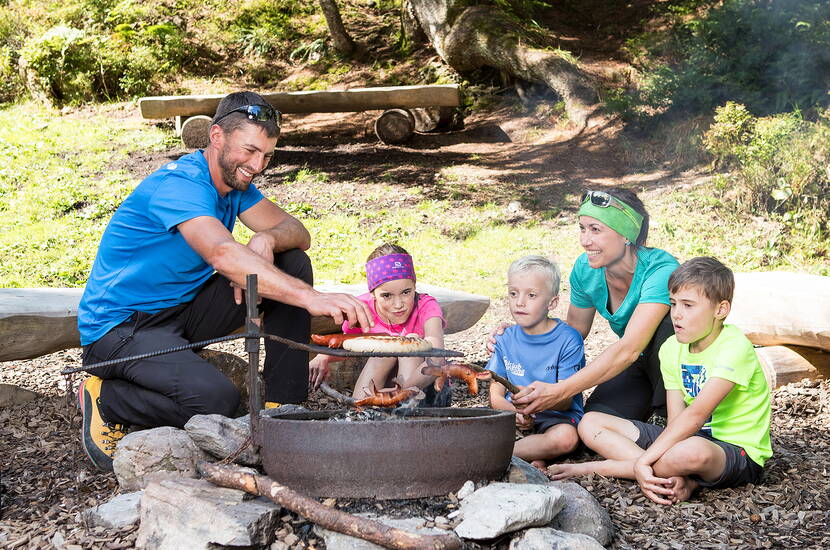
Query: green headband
{"points": [[617, 215]]}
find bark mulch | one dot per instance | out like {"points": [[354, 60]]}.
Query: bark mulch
{"points": [[46, 480]]}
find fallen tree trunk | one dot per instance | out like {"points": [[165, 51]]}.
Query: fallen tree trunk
{"points": [[469, 37], [329, 518]]}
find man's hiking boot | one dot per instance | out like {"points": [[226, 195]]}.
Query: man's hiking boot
{"points": [[98, 437]]}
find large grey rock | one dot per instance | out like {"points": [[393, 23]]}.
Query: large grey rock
{"points": [[502, 508], [118, 512], [521, 471], [339, 541], [197, 515], [466, 490], [545, 538], [221, 436], [152, 455], [582, 513], [11, 395]]}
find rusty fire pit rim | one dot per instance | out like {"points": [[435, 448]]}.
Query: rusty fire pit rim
{"points": [[437, 414]]}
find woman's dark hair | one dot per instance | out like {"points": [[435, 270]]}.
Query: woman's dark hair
{"points": [[631, 199], [385, 250]]}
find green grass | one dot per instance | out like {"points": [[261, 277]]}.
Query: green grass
{"points": [[60, 181], [59, 185]]}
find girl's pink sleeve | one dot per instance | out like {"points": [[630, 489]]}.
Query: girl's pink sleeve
{"points": [[428, 307]]}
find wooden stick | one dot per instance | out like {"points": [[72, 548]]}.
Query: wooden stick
{"points": [[336, 395], [329, 518], [503, 381]]}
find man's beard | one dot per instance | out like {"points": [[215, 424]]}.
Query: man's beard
{"points": [[229, 174]]}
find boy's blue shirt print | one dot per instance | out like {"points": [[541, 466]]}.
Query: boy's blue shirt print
{"points": [[694, 378]]}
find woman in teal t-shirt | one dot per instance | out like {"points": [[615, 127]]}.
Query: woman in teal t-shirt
{"points": [[627, 283]]}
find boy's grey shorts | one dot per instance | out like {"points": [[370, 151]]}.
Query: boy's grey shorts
{"points": [[543, 423], [739, 469]]}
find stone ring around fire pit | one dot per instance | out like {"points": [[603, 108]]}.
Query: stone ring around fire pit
{"points": [[415, 453]]}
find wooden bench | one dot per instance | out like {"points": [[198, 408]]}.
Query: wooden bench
{"points": [[38, 321], [395, 125]]}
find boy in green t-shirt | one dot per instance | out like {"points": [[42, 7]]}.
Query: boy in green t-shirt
{"points": [[716, 394]]}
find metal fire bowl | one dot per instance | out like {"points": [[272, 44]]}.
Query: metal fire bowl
{"points": [[431, 454]]}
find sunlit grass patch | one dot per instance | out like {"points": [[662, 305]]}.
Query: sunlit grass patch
{"points": [[58, 189]]}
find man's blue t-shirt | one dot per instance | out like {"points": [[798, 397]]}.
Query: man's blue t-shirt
{"points": [[550, 357], [650, 285], [143, 262]]}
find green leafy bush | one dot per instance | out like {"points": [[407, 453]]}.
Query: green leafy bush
{"points": [[268, 26], [61, 64], [12, 36], [770, 55], [782, 165], [68, 65]]}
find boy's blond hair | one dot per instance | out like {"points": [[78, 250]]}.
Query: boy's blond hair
{"points": [[538, 263], [708, 274]]}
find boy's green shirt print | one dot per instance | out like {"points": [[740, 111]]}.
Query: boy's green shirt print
{"points": [[743, 417]]}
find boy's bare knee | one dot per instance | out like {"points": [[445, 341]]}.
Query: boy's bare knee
{"points": [[690, 455], [592, 424], [589, 425], [570, 440], [561, 439]]}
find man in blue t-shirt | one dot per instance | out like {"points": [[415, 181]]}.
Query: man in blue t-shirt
{"points": [[169, 272], [538, 348]]}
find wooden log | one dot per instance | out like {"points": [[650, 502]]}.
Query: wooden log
{"points": [[195, 130], [329, 101], [394, 126], [431, 119], [779, 308], [785, 364], [329, 518], [39, 321]]}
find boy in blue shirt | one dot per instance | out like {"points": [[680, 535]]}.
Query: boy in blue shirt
{"points": [[540, 348]]}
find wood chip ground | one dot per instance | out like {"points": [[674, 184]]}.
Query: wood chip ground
{"points": [[46, 480]]}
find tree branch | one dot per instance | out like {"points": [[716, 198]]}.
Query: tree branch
{"points": [[329, 518]]}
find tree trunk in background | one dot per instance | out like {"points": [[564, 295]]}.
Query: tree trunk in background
{"points": [[343, 43], [468, 37]]}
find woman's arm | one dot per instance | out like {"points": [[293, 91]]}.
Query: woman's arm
{"points": [[581, 318], [615, 359]]}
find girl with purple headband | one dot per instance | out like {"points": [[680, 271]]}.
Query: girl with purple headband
{"points": [[397, 311]]}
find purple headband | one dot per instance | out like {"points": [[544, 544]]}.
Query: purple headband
{"points": [[391, 267]]}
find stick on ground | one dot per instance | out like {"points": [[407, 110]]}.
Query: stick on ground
{"points": [[336, 395], [329, 518]]}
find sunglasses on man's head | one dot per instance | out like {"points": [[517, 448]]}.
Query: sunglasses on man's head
{"points": [[261, 113]]}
